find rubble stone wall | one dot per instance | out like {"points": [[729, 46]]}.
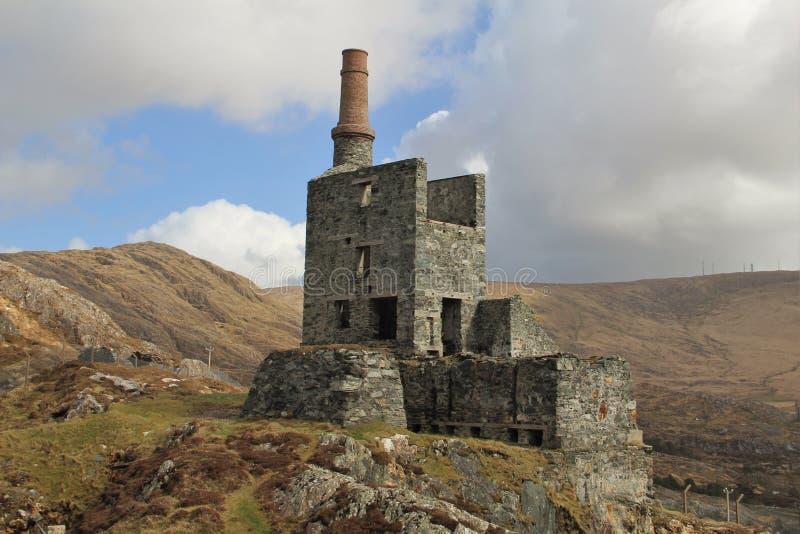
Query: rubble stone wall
{"points": [[506, 327], [575, 404], [595, 405], [337, 226], [457, 200], [340, 385]]}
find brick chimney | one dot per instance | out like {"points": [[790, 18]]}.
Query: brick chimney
{"points": [[352, 137]]}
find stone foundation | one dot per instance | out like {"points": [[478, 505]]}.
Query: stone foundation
{"points": [[556, 401], [339, 385]]}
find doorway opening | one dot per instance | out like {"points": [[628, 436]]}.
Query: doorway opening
{"points": [[535, 437], [451, 326], [384, 311]]}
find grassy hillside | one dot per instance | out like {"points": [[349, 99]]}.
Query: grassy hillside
{"points": [[181, 303]]}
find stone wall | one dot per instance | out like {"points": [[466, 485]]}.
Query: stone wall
{"points": [[338, 226], [417, 260], [340, 385], [557, 401], [450, 263], [596, 408], [458, 200], [355, 150], [506, 327]]}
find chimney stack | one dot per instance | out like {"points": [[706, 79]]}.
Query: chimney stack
{"points": [[352, 137]]}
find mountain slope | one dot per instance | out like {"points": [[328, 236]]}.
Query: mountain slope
{"points": [[181, 303], [43, 323], [734, 334]]}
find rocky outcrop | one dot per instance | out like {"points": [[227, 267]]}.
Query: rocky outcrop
{"points": [[7, 328], [341, 498], [195, 368], [44, 305], [126, 385], [84, 405], [341, 385]]}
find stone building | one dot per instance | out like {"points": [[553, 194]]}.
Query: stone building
{"points": [[397, 326], [392, 258]]}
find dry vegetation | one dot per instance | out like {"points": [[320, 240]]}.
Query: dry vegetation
{"points": [[181, 303], [94, 472], [733, 334]]}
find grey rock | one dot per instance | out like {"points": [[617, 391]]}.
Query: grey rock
{"points": [[160, 478], [84, 405]]}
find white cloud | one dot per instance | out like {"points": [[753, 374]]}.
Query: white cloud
{"points": [[263, 64], [51, 168], [476, 164], [262, 246], [76, 243], [10, 250], [430, 121], [246, 60], [627, 139]]}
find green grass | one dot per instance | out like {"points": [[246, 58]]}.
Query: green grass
{"points": [[244, 514], [66, 460]]}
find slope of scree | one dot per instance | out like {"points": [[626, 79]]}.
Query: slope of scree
{"points": [[181, 303]]}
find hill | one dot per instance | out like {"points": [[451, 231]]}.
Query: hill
{"points": [[736, 335], [157, 453], [180, 303]]}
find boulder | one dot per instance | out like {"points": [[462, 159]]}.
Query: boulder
{"points": [[85, 404]]}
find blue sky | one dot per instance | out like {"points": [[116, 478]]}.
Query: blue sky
{"points": [[620, 140], [187, 157]]}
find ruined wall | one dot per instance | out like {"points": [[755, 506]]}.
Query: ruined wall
{"points": [[342, 386], [595, 408], [337, 225], [506, 327], [451, 263], [561, 401], [416, 259], [491, 328], [458, 200]]}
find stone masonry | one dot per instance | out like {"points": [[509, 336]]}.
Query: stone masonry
{"points": [[397, 328], [343, 386], [554, 401], [394, 259]]}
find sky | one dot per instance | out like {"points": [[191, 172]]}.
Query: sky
{"points": [[620, 139]]}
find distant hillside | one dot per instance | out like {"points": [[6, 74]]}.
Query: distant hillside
{"points": [[732, 334], [181, 303], [735, 334]]}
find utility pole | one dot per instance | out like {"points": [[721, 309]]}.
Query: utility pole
{"points": [[728, 492], [27, 367], [751, 267], [686, 499], [712, 267], [703, 266], [738, 500], [209, 350]]}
